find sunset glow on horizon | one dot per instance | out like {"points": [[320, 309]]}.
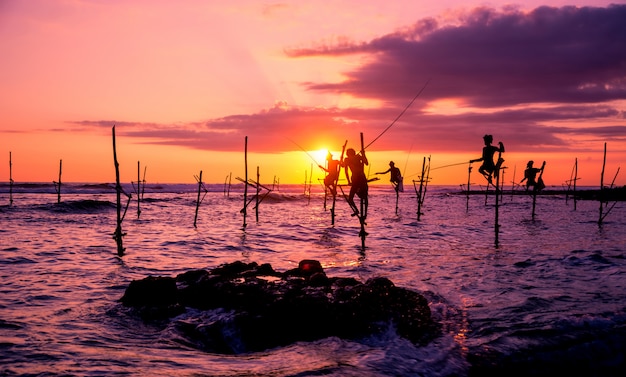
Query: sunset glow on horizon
{"points": [[184, 83]]}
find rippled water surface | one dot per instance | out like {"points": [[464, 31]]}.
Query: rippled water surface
{"points": [[549, 298]]}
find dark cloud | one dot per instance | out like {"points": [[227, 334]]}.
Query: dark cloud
{"points": [[494, 59]]}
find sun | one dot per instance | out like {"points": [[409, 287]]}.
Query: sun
{"points": [[320, 155]]}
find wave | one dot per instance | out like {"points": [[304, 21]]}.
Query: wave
{"points": [[79, 206]]}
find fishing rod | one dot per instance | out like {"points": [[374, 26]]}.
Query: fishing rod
{"points": [[304, 150], [399, 115]]}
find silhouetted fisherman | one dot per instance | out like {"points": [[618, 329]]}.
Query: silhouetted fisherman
{"points": [[357, 180], [530, 176], [396, 177], [489, 168], [330, 181]]}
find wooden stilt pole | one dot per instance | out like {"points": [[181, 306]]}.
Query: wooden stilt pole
{"points": [[10, 179], [419, 194], [469, 174], [397, 198], [258, 191], [575, 179], [143, 182], [601, 197], [364, 204], [536, 190], [195, 219], [118, 189], [227, 184], [245, 186], [57, 185], [139, 190], [335, 183], [497, 209], [310, 184]]}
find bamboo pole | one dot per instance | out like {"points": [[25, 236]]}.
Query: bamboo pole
{"points": [[535, 190], [469, 174], [195, 219], [258, 191], [227, 183], [310, 184], [139, 189], [496, 224], [59, 184], [575, 179], [419, 194], [245, 186], [10, 179], [601, 197], [118, 190], [364, 204]]}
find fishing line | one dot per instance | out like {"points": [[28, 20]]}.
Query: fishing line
{"points": [[407, 159], [400, 115], [447, 166], [304, 150]]}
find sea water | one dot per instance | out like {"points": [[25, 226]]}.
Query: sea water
{"points": [[547, 297]]}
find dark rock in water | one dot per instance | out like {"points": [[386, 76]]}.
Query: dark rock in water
{"points": [[267, 309]]}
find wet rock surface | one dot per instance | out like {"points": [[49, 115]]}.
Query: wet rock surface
{"points": [[260, 308]]}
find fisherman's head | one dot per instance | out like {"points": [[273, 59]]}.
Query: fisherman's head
{"points": [[350, 152], [530, 164], [391, 163], [488, 139]]}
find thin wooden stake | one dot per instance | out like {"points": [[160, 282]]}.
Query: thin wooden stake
{"points": [[310, 184], [469, 174], [364, 204], [10, 179], [602, 187], [198, 199], [575, 179], [496, 224], [258, 191], [118, 189], [419, 194], [245, 186], [227, 183], [336, 182], [139, 189], [535, 190], [57, 185]]}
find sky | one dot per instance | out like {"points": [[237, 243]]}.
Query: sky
{"points": [[191, 85]]}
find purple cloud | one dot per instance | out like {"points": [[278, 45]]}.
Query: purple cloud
{"points": [[530, 70]]}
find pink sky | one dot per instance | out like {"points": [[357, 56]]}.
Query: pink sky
{"points": [[185, 82]]}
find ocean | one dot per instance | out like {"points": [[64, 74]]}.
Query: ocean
{"points": [[548, 298]]}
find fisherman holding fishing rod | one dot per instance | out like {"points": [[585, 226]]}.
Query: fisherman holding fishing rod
{"points": [[530, 176], [330, 181], [396, 177], [489, 167]]}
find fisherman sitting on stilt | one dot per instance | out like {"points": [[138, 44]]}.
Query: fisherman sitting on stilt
{"points": [[357, 180], [489, 168], [330, 181], [396, 177], [530, 176]]}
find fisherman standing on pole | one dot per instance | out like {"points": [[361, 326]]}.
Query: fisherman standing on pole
{"points": [[489, 167], [357, 180]]}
